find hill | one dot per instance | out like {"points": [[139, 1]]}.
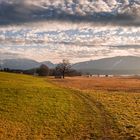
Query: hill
{"points": [[19, 64], [24, 64], [114, 65], [33, 108], [49, 64]]}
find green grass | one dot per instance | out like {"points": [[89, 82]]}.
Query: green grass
{"points": [[32, 108]]}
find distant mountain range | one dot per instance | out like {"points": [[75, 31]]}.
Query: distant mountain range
{"points": [[24, 64], [49, 64], [114, 65]]}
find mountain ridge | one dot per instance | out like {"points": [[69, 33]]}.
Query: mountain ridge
{"points": [[112, 65]]}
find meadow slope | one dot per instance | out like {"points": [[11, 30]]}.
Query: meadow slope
{"points": [[33, 108]]}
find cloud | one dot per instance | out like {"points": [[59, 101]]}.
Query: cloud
{"points": [[99, 12], [73, 29], [9, 53], [75, 53], [78, 36]]}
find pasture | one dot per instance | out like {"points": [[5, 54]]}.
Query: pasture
{"points": [[119, 97], [34, 108]]}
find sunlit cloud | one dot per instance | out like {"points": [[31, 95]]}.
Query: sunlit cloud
{"points": [[32, 31]]}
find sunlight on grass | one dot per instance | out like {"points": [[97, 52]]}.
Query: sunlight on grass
{"points": [[32, 108], [38, 108], [124, 108], [118, 97]]}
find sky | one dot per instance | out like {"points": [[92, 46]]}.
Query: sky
{"points": [[77, 30]]}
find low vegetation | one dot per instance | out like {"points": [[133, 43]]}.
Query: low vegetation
{"points": [[33, 108], [118, 97], [125, 84], [124, 109]]}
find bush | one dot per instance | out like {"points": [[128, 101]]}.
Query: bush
{"points": [[43, 70]]}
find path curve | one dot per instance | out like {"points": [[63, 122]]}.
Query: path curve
{"points": [[106, 123]]}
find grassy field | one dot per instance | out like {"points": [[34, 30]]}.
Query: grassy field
{"points": [[118, 97], [33, 108], [126, 84]]}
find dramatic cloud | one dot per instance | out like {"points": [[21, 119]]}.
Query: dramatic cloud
{"points": [[83, 35], [74, 29], [125, 12]]}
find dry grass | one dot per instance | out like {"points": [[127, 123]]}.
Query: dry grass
{"points": [[124, 109], [118, 96], [128, 84], [31, 108]]}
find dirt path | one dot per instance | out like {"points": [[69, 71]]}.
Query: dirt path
{"points": [[106, 119]]}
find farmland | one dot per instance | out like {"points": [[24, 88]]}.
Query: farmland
{"points": [[118, 96], [126, 84], [33, 108]]}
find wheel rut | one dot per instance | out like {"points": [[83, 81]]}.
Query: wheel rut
{"points": [[106, 120]]}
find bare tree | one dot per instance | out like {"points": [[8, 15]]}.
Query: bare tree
{"points": [[63, 67]]}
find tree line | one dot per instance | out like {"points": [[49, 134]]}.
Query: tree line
{"points": [[60, 71]]}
